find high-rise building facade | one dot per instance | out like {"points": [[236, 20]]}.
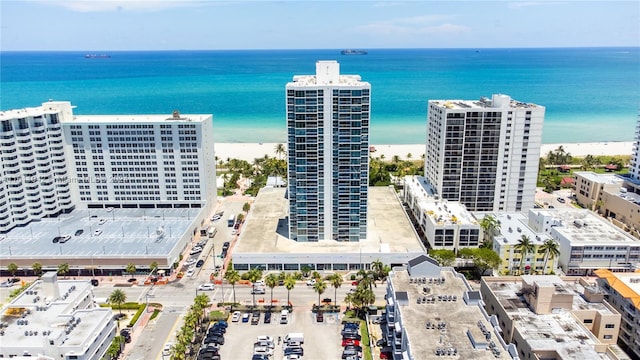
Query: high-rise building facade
{"points": [[328, 151], [140, 161], [32, 164], [484, 153]]}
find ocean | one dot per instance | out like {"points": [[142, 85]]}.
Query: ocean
{"points": [[590, 94]]}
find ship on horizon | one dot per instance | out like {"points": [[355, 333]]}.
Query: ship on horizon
{"points": [[353, 52], [95, 56]]}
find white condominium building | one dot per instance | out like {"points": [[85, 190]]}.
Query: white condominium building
{"points": [[484, 153], [33, 183], [328, 151], [140, 161]]}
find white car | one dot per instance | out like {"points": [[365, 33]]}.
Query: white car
{"points": [[196, 250], [259, 283], [191, 271], [311, 282], [262, 350], [98, 232], [264, 338], [206, 287], [102, 221], [190, 261], [236, 316], [166, 351]]}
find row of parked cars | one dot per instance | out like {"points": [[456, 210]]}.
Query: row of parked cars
{"points": [[212, 341], [351, 349]]}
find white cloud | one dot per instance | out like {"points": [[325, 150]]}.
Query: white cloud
{"points": [[123, 5], [522, 4], [424, 24]]}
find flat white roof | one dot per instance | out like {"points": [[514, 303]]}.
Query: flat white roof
{"points": [[584, 227], [513, 226], [153, 118], [610, 179], [442, 212]]}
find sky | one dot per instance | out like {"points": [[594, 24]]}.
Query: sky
{"points": [[85, 25]]}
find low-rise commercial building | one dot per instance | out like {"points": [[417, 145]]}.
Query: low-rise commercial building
{"points": [[549, 317], [589, 187], [622, 291], [587, 241], [433, 312], [513, 228], [445, 224], [56, 319]]}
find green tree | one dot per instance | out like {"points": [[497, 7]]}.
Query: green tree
{"points": [[232, 276], [444, 257], [525, 246], [246, 207], [254, 275], [289, 283], [336, 281], [63, 269], [490, 225], [12, 268], [153, 267], [485, 259], [366, 278], [279, 150], [319, 287], [466, 253], [131, 269], [271, 281], [305, 269], [118, 297], [37, 268], [551, 249]]}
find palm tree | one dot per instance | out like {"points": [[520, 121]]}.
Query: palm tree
{"points": [[118, 297], [289, 283], [37, 268], [131, 269], [366, 278], [490, 226], [551, 250], [12, 268], [525, 246], [320, 287], [63, 269], [279, 150], [153, 267], [232, 276], [336, 282], [271, 281], [254, 275], [377, 267], [305, 269]]}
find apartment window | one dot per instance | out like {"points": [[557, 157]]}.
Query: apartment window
{"points": [[588, 321], [609, 326]]}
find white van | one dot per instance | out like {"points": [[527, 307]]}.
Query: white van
{"points": [[284, 317], [298, 337]]}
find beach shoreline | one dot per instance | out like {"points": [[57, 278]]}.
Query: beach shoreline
{"points": [[251, 151]]}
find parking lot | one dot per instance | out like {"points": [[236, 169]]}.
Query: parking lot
{"points": [[321, 340]]}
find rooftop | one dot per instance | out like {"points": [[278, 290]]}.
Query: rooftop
{"points": [[442, 212], [513, 226], [36, 313], [484, 103], [125, 232], [266, 228], [627, 284], [609, 179], [583, 227], [460, 320], [558, 331]]}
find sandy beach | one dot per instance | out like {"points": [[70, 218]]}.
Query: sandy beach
{"points": [[251, 151]]}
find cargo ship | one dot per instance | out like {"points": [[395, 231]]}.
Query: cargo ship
{"points": [[353, 52], [97, 56]]}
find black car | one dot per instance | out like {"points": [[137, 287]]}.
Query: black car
{"points": [[222, 323], [213, 340], [78, 232], [351, 336], [350, 352], [319, 316], [259, 357], [353, 347], [200, 263], [126, 334], [119, 316], [95, 282], [56, 239], [226, 245], [349, 331], [267, 317], [293, 351], [215, 332]]}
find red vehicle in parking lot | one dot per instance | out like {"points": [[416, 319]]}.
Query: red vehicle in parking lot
{"points": [[350, 342]]}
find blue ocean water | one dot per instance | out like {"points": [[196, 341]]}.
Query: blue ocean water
{"points": [[590, 94]]}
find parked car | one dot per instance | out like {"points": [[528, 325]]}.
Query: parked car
{"points": [[347, 342], [245, 317], [98, 232], [267, 317], [319, 316], [64, 239], [190, 272], [196, 250], [294, 351], [206, 287], [352, 336], [166, 350], [190, 261], [311, 282], [560, 200], [102, 221], [79, 232], [236, 316], [258, 290], [200, 263], [255, 320]]}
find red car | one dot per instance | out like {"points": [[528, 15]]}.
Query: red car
{"points": [[355, 283], [349, 342], [385, 355]]}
